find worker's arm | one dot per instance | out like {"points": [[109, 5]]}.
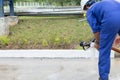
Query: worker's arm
{"points": [[117, 41], [115, 44], [97, 39], [93, 22]]}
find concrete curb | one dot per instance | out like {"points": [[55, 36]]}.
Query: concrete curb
{"points": [[49, 54]]}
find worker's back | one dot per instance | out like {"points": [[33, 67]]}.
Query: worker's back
{"points": [[106, 11]]}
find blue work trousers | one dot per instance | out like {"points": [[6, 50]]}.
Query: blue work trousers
{"points": [[108, 32]]}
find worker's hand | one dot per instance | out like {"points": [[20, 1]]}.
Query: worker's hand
{"points": [[97, 40], [117, 42], [96, 45]]}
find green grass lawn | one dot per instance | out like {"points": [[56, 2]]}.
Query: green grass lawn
{"points": [[35, 32]]}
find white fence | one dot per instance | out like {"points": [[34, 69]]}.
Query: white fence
{"points": [[43, 8], [30, 4], [33, 4]]}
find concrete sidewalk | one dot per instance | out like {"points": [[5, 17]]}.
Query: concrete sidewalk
{"points": [[53, 69]]}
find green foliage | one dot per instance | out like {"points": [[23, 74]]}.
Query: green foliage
{"points": [[4, 40], [44, 43], [56, 32]]}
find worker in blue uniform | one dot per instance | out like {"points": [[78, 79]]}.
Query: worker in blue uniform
{"points": [[104, 20]]}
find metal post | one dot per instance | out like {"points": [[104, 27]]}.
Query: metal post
{"points": [[11, 8], [1, 9]]}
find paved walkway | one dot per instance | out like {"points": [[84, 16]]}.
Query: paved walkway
{"points": [[53, 69]]}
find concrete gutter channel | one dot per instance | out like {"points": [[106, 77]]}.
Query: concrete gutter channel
{"points": [[53, 65], [50, 53]]}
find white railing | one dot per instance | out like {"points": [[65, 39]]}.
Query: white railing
{"points": [[44, 8], [28, 4], [31, 4]]}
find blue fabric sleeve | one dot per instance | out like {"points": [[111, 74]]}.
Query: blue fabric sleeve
{"points": [[92, 20], [119, 33]]}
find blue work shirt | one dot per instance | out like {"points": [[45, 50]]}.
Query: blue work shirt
{"points": [[103, 12]]}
